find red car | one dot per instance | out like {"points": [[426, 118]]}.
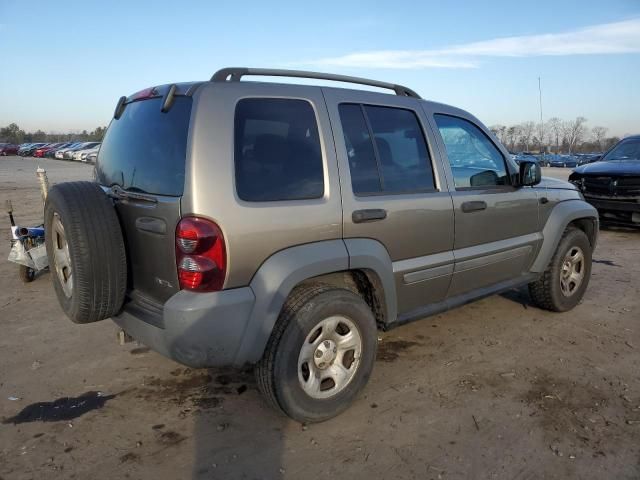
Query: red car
{"points": [[39, 153], [8, 149]]}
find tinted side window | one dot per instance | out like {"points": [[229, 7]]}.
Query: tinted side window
{"points": [[475, 160], [277, 150], [397, 159], [363, 165]]}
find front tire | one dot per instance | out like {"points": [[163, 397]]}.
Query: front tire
{"points": [[563, 283], [320, 355]]}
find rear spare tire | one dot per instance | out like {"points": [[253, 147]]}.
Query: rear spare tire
{"points": [[86, 251]]}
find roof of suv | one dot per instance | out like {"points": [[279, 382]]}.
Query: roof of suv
{"points": [[234, 74]]}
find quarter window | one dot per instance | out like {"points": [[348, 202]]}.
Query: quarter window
{"points": [[475, 161], [277, 150], [386, 150]]}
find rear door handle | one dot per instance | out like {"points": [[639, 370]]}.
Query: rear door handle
{"points": [[368, 215], [474, 206]]}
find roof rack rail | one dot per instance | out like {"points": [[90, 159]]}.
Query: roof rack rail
{"points": [[236, 73]]}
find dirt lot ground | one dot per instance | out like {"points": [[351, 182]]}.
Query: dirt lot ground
{"points": [[496, 389]]}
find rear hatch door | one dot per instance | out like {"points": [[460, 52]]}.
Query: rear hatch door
{"points": [[141, 165]]}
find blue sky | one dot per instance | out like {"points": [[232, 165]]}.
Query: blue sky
{"points": [[65, 63]]}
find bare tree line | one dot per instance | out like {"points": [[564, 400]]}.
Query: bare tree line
{"points": [[558, 136], [12, 133], [554, 136]]}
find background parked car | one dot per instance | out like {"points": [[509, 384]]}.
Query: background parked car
{"points": [[612, 184], [69, 154], [584, 158], [39, 153], [51, 153], [564, 161], [83, 154], [8, 149], [34, 151], [525, 156], [60, 153], [91, 157], [78, 154], [22, 147], [28, 151]]}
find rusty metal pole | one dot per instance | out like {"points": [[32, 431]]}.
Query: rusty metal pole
{"points": [[9, 207], [41, 173]]}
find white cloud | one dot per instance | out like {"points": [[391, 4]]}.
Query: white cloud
{"points": [[608, 38], [396, 59]]}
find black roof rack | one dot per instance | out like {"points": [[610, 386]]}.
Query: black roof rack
{"points": [[236, 73]]}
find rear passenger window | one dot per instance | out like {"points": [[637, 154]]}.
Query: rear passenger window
{"points": [[277, 150], [386, 149]]}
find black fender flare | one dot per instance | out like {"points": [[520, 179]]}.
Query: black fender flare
{"points": [[561, 216]]}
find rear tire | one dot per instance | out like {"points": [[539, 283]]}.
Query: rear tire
{"points": [[86, 251], [304, 326], [563, 283]]}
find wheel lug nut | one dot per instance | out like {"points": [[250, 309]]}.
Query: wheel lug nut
{"points": [[327, 344], [318, 353], [321, 364]]}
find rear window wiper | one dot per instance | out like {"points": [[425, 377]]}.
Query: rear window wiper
{"points": [[116, 191]]}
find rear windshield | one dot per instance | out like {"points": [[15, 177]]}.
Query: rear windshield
{"points": [[144, 150]]}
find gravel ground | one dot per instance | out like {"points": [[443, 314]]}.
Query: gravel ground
{"points": [[495, 389]]}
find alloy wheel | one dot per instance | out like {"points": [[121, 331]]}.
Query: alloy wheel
{"points": [[329, 357]]}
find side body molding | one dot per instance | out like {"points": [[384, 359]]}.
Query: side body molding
{"points": [[562, 214], [368, 254], [273, 283]]}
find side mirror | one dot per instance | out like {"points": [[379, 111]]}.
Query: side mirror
{"points": [[530, 173]]}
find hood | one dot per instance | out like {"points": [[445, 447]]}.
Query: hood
{"points": [[614, 167], [549, 182]]}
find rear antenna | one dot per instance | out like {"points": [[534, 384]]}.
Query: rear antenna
{"points": [[119, 108], [169, 97]]}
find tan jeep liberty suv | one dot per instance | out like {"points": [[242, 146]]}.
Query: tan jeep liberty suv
{"points": [[280, 225]]}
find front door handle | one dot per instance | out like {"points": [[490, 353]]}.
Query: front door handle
{"points": [[369, 215], [474, 206]]}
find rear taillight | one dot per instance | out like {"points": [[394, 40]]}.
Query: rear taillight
{"points": [[201, 255]]}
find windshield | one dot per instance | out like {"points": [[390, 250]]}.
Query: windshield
{"points": [[625, 150], [145, 150]]}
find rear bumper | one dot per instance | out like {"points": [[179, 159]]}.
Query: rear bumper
{"points": [[195, 329]]}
